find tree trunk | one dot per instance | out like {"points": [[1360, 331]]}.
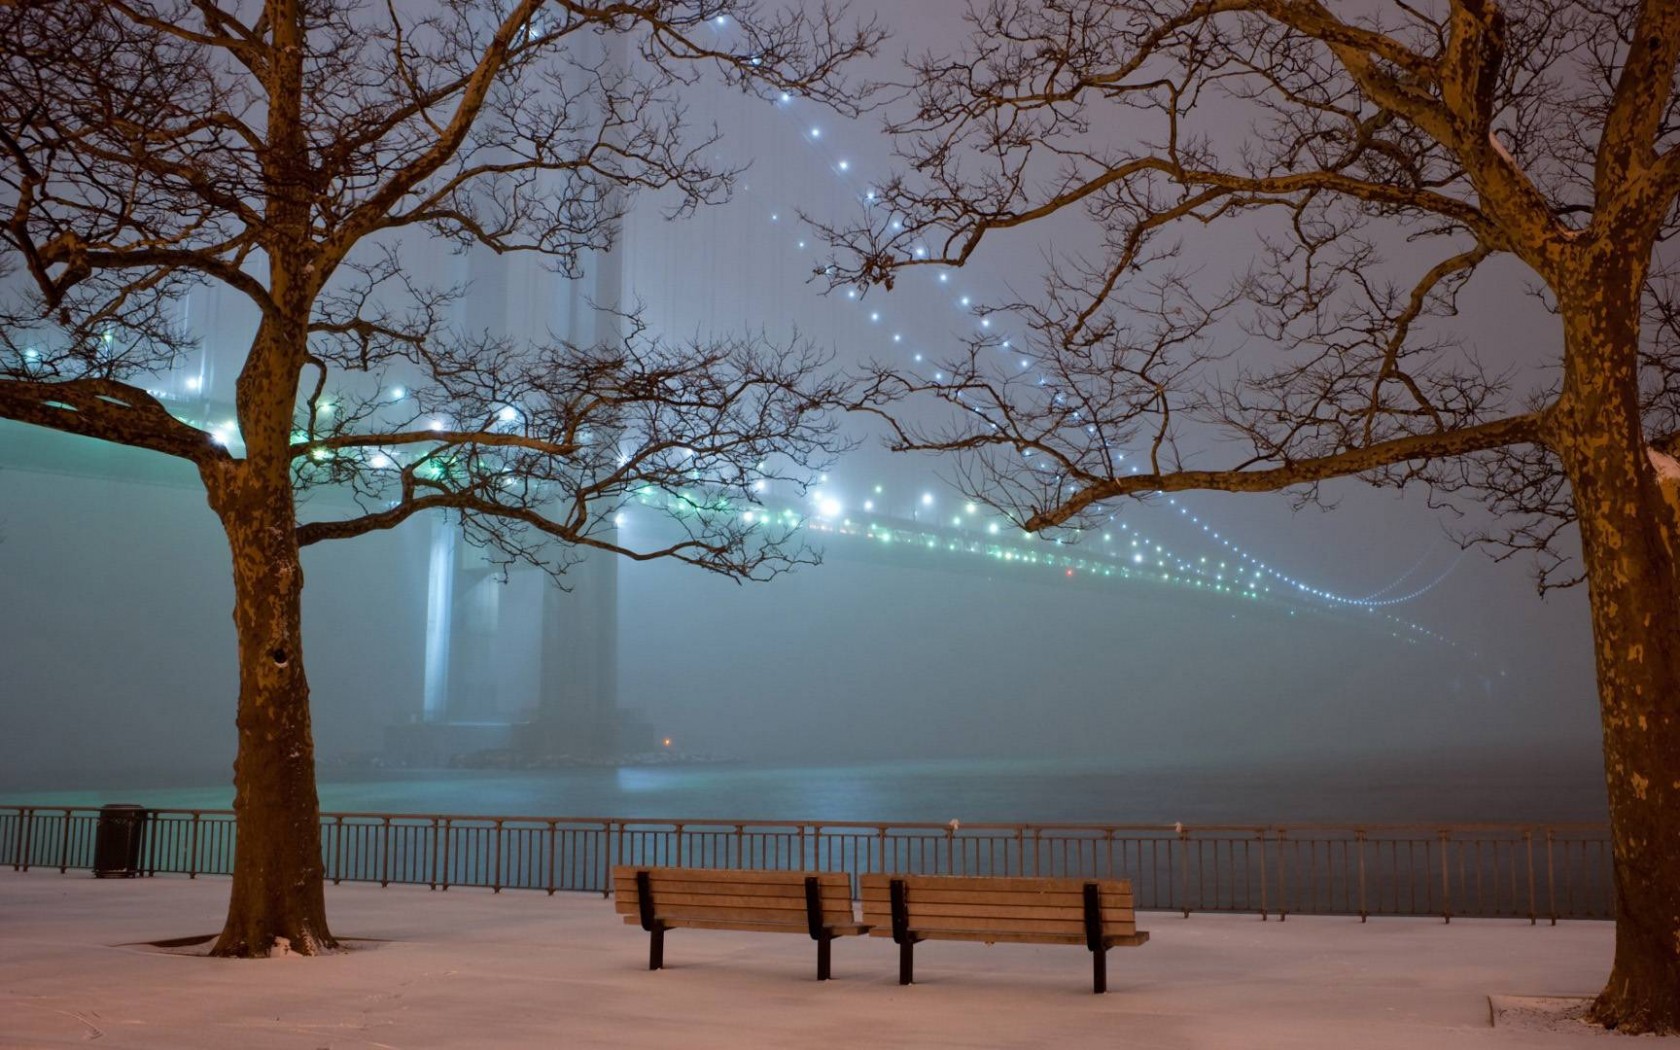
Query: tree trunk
{"points": [[277, 901], [1628, 534]]}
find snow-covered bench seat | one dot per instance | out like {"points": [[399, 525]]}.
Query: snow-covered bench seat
{"points": [[816, 903], [1094, 912]]}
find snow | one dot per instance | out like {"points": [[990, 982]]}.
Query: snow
{"points": [[1543, 1013], [1667, 467], [474, 969], [1668, 476]]}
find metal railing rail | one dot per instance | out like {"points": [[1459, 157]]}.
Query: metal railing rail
{"points": [[1532, 871]]}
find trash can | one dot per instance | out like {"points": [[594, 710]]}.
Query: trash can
{"points": [[116, 848]]}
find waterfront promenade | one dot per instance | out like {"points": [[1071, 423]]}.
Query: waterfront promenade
{"points": [[469, 968]]}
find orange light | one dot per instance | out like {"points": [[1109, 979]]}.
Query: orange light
{"points": [[667, 741]]}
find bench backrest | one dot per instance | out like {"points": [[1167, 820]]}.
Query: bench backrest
{"points": [[732, 895], [1017, 904]]}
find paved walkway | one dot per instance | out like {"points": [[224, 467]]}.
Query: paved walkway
{"points": [[468, 968]]}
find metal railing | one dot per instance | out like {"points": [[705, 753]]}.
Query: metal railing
{"points": [[1541, 871]]}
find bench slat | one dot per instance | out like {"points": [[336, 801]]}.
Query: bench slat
{"points": [[847, 929], [961, 896], [1001, 900], [743, 876], [1130, 940], [930, 925], [727, 900], [945, 895], [758, 914], [1031, 883], [770, 896], [948, 914], [723, 892]]}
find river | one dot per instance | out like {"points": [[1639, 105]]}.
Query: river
{"points": [[1441, 788]]}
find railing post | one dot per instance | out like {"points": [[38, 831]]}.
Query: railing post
{"points": [[1528, 848], [335, 845], [740, 845], [443, 855], [1260, 834], [1446, 877], [604, 859], [385, 854], [617, 852], [1184, 868], [1359, 838], [192, 847], [148, 845], [29, 840], [553, 852], [64, 845], [432, 867], [950, 850], [1551, 879], [678, 832], [496, 859], [1283, 875], [18, 839]]}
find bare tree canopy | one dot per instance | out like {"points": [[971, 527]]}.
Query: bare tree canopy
{"points": [[283, 150], [1276, 208]]}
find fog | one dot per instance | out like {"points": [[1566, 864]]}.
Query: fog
{"points": [[117, 646], [118, 650]]}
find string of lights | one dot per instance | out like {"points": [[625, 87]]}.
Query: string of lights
{"points": [[828, 506], [1122, 552]]}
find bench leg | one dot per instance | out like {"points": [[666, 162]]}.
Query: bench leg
{"points": [[656, 948], [907, 962], [1099, 970], [823, 956]]}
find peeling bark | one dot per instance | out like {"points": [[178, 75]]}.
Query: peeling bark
{"points": [[1628, 531]]}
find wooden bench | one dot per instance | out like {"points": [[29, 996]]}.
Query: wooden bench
{"points": [[817, 903], [911, 908]]}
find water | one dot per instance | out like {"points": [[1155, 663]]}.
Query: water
{"points": [[1435, 788]]}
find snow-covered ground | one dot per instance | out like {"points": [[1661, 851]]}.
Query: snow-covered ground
{"points": [[468, 968]]}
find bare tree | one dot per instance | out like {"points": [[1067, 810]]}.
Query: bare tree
{"points": [[280, 149], [1371, 160]]}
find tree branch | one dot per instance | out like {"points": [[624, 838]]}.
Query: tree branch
{"points": [[1524, 429], [109, 411]]}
